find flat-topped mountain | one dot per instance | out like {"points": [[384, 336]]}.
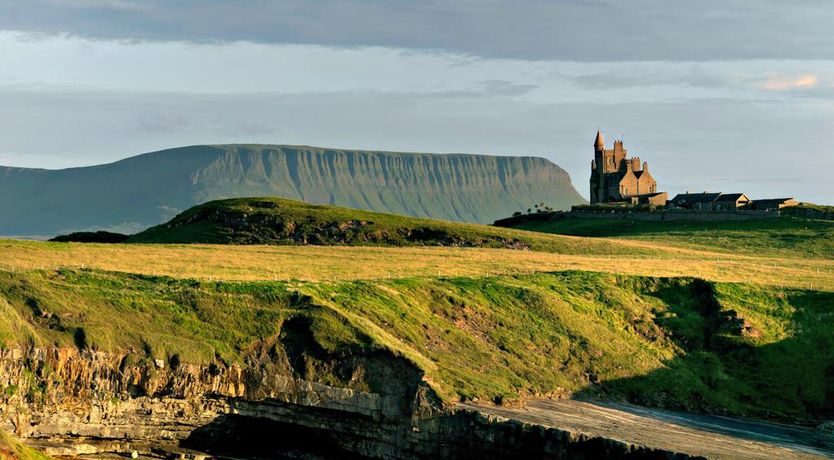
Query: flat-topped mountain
{"points": [[149, 189]]}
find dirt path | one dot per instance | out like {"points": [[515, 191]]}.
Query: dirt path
{"points": [[694, 434]]}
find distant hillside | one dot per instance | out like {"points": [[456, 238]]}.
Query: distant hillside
{"points": [[270, 220], [148, 189]]}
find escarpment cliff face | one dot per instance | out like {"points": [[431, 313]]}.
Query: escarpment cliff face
{"points": [[72, 402], [145, 190]]}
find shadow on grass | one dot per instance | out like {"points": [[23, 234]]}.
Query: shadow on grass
{"points": [[724, 370]]}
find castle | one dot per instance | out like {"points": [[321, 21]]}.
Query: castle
{"points": [[617, 178]]}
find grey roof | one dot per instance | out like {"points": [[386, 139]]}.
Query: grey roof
{"points": [[733, 197], [773, 200], [696, 197]]}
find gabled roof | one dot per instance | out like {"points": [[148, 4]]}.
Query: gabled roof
{"points": [[731, 197], [696, 197], [772, 200]]}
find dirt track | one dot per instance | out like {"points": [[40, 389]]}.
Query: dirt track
{"points": [[694, 434]]}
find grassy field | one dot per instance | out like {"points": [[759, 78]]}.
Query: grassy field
{"points": [[780, 237], [329, 263], [722, 317]]}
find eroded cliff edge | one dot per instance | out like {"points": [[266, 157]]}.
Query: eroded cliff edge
{"points": [[97, 361], [73, 403]]}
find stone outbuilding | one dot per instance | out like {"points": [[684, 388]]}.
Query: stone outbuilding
{"points": [[730, 202], [699, 201], [774, 204]]}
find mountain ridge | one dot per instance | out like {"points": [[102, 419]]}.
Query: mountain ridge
{"points": [[147, 189]]}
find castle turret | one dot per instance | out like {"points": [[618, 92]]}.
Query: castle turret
{"points": [[599, 143]]}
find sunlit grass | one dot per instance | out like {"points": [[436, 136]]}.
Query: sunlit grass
{"points": [[324, 263]]}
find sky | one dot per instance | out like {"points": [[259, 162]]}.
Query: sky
{"points": [[729, 95]]}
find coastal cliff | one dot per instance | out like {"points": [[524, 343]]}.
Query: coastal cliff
{"points": [[91, 404]]}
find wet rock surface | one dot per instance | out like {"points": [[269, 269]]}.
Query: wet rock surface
{"points": [[694, 434]]}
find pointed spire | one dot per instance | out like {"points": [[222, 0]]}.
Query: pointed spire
{"points": [[600, 142]]}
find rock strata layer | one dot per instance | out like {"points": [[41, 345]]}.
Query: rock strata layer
{"points": [[92, 404]]}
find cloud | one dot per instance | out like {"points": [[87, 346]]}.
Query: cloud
{"points": [[506, 88], [806, 81], [588, 31], [70, 100], [126, 5]]}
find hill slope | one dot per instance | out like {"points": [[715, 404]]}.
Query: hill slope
{"points": [[269, 220], [784, 236], [148, 189]]}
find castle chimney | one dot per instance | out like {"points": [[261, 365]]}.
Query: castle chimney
{"points": [[645, 166]]}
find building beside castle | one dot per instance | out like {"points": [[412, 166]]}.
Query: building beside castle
{"points": [[615, 178]]}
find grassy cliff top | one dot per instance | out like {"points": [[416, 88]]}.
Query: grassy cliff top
{"points": [[671, 342]]}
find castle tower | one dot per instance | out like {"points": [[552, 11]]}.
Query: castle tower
{"points": [[599, 166]]}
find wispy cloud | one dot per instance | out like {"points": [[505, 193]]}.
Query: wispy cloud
{"points": [[124, 5], [805, 81]]}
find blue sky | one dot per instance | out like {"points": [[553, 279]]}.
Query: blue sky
{"points": [[726, 96]]}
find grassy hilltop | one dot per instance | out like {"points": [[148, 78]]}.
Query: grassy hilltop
{"points": [[278, 221], [699, 326]]}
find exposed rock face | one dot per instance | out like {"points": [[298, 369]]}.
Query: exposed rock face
{"points": [[130, 195], [87, 403]]}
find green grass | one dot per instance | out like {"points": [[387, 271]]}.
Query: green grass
{"points": [[11, 449], [785, 236], [671, 342]]}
